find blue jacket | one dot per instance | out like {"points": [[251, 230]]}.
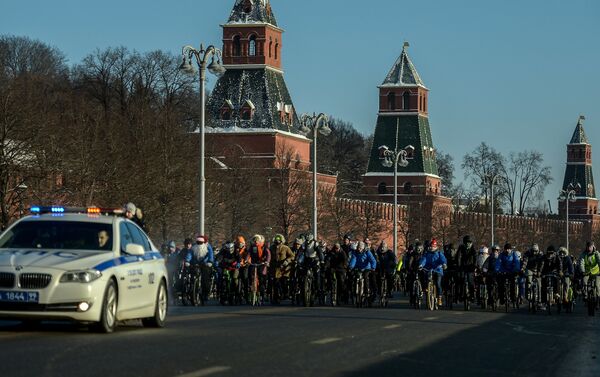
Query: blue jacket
{"points": [[433, 260], [208, 258], [362, 261], [509, 263]]}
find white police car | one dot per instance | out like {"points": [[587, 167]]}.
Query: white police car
{"points": [[82, 264]]}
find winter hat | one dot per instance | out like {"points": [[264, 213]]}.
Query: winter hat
{"points": [[563, 251], [433, 243], [172, 244], [467, 239], [130, 207], [551, 249]]}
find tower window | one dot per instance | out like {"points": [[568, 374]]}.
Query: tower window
{"points": [[406, 101], [382, 188], [270, 48], [391, 101], [247, 114], [237, 46], [276, 50], [408, 188], [252, 46], [226, 115]]}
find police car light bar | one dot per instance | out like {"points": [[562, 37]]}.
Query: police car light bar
{"points": [[59, 210]]}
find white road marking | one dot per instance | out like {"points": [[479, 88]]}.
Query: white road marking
{"points": [[326, 340], [523, 330], [431, 318], [205, 372], [392, 327]]}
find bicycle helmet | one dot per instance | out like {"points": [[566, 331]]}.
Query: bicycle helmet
{"points": [[563, 252]]}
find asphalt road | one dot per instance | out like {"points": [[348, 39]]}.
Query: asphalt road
{"points": [[323, 341]]}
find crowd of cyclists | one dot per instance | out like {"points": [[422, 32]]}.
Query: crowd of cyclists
{"points": [[310, 272]]}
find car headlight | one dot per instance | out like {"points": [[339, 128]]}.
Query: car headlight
{"points": [[86, 276]]}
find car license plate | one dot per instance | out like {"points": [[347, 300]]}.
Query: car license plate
{"points": [[19, 297]]}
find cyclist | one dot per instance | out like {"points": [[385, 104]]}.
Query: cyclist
{"points": [[311, 257], [508, 266], [490, 270], [260, 259], [533, 263], [412, 268], [551, 266], [589, 263], [229, 259], [203, 256], [435, 261], [566, 272], [283, 257], [363, 261], [338, 262], [386, 266], [451, 273], [467, 260]]}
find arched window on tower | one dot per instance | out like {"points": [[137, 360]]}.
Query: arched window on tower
{"points": [[391, 101], [237, 46], [408, 188], [252, 46], [382, 188], [406, 101], [270, 48], [276, 49]]}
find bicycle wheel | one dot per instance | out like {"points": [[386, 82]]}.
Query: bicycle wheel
{"points": [[591, 302], [384, 293], [507, 296], [430, 296], [197, 298], [483, 296], [449, 296], [307, 289], [333, 293], [466, 298]]}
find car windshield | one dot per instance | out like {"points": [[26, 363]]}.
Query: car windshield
{"points": [[67, 235]]}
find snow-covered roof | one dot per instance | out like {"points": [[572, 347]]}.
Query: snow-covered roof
{"points": [[403, 73], [250, 104], [251, 12]]}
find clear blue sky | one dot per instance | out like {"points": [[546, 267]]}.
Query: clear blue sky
{"points": [[513, 73]]}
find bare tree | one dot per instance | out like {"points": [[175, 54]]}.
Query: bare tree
{"points": [[524, 179], [481, 164]]}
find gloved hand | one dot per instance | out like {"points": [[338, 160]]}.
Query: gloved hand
{"points": [[285, 263], [209, 265], [187, 264], [561, 274], [445, 266]]}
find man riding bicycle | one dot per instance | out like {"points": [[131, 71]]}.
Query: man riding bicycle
{"points": [[284, 258], [509, 266], [589, 263], [533, 263], [363, 261], [566, 273], [467, 260], [434, 261]]}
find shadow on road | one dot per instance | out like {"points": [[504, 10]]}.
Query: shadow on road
{"points": [[514, 345]]}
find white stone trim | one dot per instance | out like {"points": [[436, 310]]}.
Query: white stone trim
{"points": [[387, 174], [578, 163], [243, 131], [251, 24], [252, 66], [396, 113]]}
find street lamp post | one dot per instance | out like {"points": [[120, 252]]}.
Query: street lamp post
{"points": [[315, 124], [395, 158], [202, 56], [568, 195], [492, 179]]}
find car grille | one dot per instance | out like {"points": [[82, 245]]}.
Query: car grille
{"points": [[7, 280], [34, 281]]}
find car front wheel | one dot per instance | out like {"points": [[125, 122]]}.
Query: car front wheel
{"points": [[108, 315], [160, 309]]}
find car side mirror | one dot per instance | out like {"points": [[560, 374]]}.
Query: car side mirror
{"points": [[135, 249]]}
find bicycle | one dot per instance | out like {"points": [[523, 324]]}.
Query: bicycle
{"points": [[197, 296], [450, 291], [359, 289], [466, 292], [307, 290], [591, 295], [482, 294], [255, 295], [550, 299], [430, 290], [495, 294], [230, 290], [383, 298], [534, 295], [417, 293]]}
